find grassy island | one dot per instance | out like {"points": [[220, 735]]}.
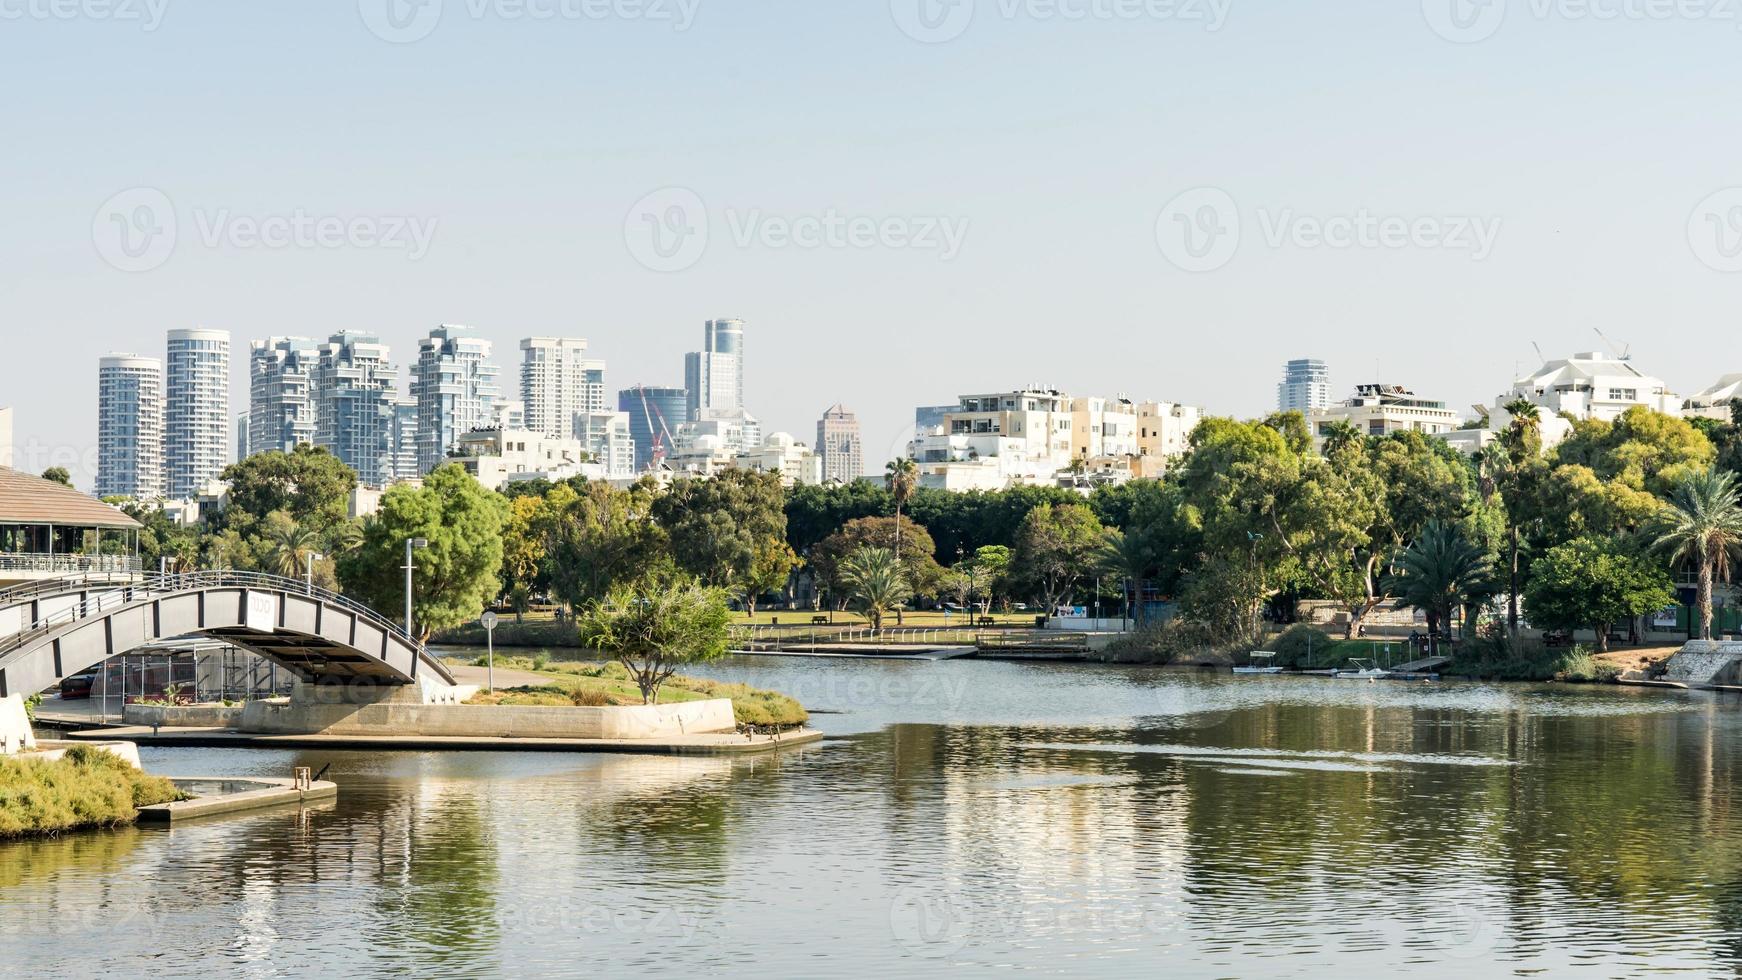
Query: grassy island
{"points": [[603, 685], [87, 788]]}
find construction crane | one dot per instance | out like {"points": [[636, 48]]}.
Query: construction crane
{"points": [[1621, 353], [662, 437]]}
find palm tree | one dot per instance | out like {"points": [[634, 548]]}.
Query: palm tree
{"points": [[902, 477], [1439, 572], [1522, 442], [1340, 435], [289, 546], [1127, 556], [1703, 524], [876, 581]]}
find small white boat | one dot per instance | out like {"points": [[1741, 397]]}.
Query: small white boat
{"points": [[1361, 670], [1260, 663]]}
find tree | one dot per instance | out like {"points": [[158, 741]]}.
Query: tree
{"points": [[717, 525], [653, 633], [289, 545], [770, 569], [921, 568], [1594, 583], [1440, 572], [309, 484], [902, 477], [876, 582], [1703, 525], [598, 539], [1518, 464], [1128, 556], [1054, 547], [58, 474], [992, 563], [456, 575]]}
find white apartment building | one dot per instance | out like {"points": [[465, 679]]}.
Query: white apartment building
{"points": [[990, 442], [196, 416], [781, 453], [558, 384], [1164, 434], [607, 438], [1103, 427], [456, 390], [1715, 402], [840, 446], [1380, 410], [1305, 387], [281, 398], [498, 457], [1588, 385], [130, 427]]}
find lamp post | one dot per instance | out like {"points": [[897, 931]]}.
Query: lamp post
{"points": [[411, 545], [310, 579]]}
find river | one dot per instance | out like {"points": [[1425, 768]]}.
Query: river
{"points": [[964, 817]]}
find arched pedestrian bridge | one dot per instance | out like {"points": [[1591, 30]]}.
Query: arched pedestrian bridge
{"points": [[52, 630]]}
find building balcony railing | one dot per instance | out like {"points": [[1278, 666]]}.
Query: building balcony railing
{"points": [[71, 564]]}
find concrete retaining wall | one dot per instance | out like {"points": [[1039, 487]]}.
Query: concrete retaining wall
{"points": [[15, 734], [293, 717], [182, 716]]}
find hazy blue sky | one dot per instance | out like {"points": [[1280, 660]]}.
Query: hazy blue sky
{"points": [[1055, 148]]}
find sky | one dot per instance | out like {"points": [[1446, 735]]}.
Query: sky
{"points": [[906, 200]]}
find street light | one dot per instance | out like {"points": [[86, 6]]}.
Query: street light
{"points": [[312, 558], [411, 544]]}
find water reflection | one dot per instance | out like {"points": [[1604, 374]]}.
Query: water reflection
{"points": [[1067, 820]]}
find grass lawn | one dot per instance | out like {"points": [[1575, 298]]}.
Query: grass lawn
{"points": [[86, 788], [601, 685]]}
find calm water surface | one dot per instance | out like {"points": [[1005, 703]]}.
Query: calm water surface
{"points": [[964, 818]]}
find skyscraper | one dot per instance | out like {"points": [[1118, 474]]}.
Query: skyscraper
{"points": [[281, 400], [714, 375], [558, 384], [1305, 387], [456, 391], [655, 414], [357, 394], [196, 416], [129, 426], [840, 446]]}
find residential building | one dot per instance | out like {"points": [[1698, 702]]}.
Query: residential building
{"points": [[130, 427], [1717, 402], [781, 453], [6, 437], [609, 440], [1589, 385], [991, 442], [1380, 410], [929, 419], [456, 390], [1164, 434], [655, 415], [512, 415], [559, 383], [498, 457], [1305, 387], [281, 399], [736, 431], [196, 415], [240, 431], [840, 446], [1103, 427], [359, 417]]}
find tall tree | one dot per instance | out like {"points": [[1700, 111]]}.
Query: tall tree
{"points": [[717, 525], [876, 582], [902, 478], [1703, 526], [1055, 546], [1440, 572], [654, 632], [1594, 583]]}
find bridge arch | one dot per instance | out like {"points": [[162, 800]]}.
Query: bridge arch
{"points": [[317, 635]]}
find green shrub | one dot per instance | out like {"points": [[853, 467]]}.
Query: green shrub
{"points": [[1174, 641], [30, 705], [1302, 646], [86, 788], [1495, 657]]}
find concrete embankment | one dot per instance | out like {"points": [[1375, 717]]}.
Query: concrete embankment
{"points": [[704, 744]]}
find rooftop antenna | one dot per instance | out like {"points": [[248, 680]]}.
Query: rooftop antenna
{"points": [[1621, 353]]}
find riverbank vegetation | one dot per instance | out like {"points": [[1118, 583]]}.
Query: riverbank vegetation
{"points": [[1258, 518], [602, 685], [87, 788]]}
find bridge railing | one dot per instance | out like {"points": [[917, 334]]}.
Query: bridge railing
{"points": [[157, 586]]}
